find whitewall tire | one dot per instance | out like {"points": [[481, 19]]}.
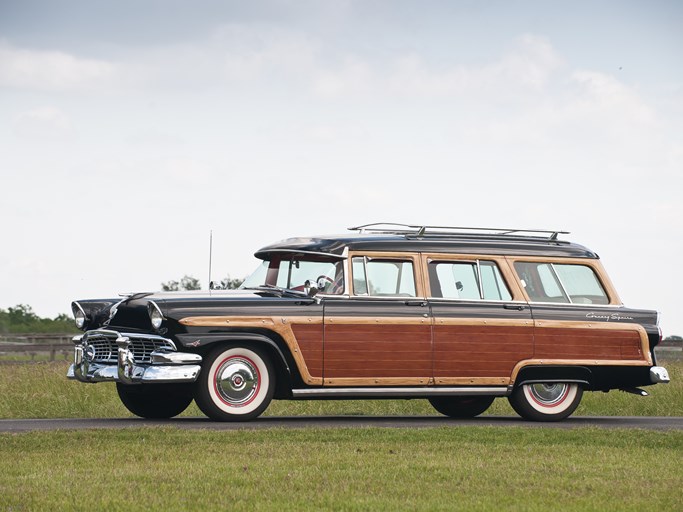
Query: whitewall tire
{"points": [[236, 383], [546, 401]]}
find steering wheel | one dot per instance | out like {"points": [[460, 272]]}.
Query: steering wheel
{"points": [[325, 279]]}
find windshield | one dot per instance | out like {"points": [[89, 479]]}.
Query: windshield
{"points": [[299, 274]]}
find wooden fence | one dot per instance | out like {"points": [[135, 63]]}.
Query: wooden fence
{"points": [[28, 348]]}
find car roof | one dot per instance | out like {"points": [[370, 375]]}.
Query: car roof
{"points": [[461, 243]]}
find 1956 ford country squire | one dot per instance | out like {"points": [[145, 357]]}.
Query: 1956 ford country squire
{"points": [[458, 316]]}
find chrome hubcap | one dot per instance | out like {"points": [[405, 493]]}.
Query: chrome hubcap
{"points": [[549, 394], [237, 381]]}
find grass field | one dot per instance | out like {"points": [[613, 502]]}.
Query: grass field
{"points": [[458, 468], [42, 391], [473, 468]]}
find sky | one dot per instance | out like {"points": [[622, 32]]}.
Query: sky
{"points": [[131, 130]]}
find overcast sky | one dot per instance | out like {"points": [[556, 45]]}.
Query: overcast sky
{"points": [[131, 129]]}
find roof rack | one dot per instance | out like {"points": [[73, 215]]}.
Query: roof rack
{"points": [[410, 230]]}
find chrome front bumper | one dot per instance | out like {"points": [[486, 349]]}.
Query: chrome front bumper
{"points": [[162, 365]]}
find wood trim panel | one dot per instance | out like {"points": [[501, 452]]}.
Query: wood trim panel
{"points": [[489, 322], [600, 329], [282, 325], [372, 320], [473, 381], [375, 352], [480, 351], [379, 381]]}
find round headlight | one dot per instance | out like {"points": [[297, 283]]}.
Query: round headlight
{"points": [[155, 315], [79, 315]]}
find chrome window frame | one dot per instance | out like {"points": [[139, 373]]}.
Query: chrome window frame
{"points": [[480, 283]]}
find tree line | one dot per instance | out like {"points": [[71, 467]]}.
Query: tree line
{"points": [[192, 283], [22, 319]]}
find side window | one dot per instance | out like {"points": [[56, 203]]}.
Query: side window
{"points": [[383, 277], [472, 280], [492, 282], [581, 284], [554, 282]]}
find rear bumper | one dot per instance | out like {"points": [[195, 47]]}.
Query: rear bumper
{"points": [[659, 374], [163, 365]]}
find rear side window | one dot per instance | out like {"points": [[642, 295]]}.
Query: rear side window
{"points": [[471, 280], [554, 282], [383, 277]]}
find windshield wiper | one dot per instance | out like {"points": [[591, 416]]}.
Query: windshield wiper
{"points": [[278, 289]]}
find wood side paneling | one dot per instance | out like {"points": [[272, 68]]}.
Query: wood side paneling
{"points": [[375, 351], [480, 350], [599, 341], [310, 340]]}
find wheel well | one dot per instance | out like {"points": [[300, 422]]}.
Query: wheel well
{"points": [[552, 373]]}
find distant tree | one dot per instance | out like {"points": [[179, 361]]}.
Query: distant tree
{"points": [[186, 283], [22, 319], [230, 283], [190, 283], [170, 286]]}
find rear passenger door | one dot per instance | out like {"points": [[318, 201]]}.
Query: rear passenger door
{"points": [[380, 334], [482, 324]]}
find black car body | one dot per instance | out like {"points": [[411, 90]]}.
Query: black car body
{"points": [[456, 315]]}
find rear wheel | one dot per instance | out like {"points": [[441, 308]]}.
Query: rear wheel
{"points": [[236, 384], [546, 401], [155, 401], [461, 406]]}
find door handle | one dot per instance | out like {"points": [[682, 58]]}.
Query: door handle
{"points": [[416, 303], [517, 307]]}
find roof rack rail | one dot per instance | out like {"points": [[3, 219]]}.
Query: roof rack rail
{"points": [[444, 231]]}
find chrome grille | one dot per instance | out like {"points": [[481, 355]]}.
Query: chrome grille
{"points": [[106, 349]]}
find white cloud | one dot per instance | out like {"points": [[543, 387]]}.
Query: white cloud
{"points": [[43, 124], [527, 67], [51, 70]]}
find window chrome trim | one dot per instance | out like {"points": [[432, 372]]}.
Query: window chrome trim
{"points": [[480, 285], [383, 297], [576, 304], [559, 281], [475, 301]]}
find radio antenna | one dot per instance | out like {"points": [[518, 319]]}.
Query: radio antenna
{"points": [[210, 254]]}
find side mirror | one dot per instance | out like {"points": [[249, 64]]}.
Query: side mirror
{"points": [[311, 291], [459, 286]]}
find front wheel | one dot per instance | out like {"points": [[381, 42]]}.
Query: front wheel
{"points": [[461, 406], [155, 401], [546, 401], [236, 384]]}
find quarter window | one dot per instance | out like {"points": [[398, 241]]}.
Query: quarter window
{"points": [[383, 277], [471, 280], [563, 283]]}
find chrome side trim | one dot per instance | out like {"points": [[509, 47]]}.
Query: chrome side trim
{"points": [[175, 358], [658, 374], [398, 392]]}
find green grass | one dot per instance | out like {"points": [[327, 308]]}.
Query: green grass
{"points": [[42, 391], [473, 468]]}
